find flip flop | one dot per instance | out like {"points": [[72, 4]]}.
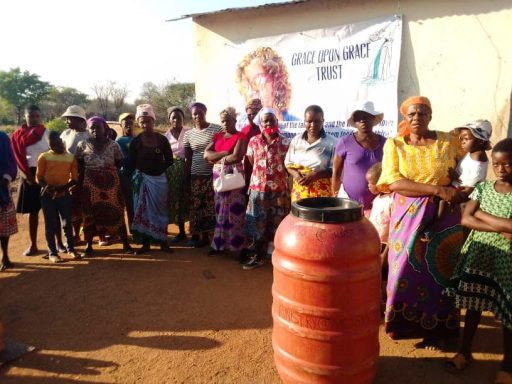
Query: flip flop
{"points": [[5, 265], [178, 238], [457, 364], [31, 252], [128, 251], [503, 377]]}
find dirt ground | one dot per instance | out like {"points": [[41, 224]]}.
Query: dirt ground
{"points": [[179, 318]]}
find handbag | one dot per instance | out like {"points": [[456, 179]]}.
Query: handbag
{"points": [[228, 181]]}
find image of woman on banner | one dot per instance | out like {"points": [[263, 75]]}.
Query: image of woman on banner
{"points": [[262, 74]]}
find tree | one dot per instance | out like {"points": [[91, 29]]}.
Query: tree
{"points": [[6, 112], [110, 98], [162, 97], [118, 94], [102, 93], [22, 88], [60, 98]]}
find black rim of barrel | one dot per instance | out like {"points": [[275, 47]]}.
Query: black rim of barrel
{"points": [[327, 209]]}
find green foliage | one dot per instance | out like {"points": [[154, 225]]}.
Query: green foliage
{"points": [[22, 88], [6, 112], [58, 124], [163, 97], [59, 99], [9, 129]]}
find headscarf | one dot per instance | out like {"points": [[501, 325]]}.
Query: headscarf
{"points": [[174, 109], [145, 110], [198, 105], [230, 111], [254, 104], [97, 119], [265, 111], [403, 127], [108, 132]]}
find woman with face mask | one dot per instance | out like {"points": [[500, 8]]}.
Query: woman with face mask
{"points": [[269, 195]]}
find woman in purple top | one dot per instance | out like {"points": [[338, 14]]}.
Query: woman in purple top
{"points": [[357, 152]]}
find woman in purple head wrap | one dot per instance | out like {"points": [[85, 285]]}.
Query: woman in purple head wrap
{"points": [[103, 207], [109, 132]]}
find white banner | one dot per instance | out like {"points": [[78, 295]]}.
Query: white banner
{"points": [[333, 68]]}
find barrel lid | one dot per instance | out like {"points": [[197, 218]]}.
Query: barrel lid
{"points": [[327, 209]]}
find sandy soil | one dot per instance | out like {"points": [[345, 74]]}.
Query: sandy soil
{"points": [[179, 318]]}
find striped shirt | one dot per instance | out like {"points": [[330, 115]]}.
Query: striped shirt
{"points": [[198, 140]]}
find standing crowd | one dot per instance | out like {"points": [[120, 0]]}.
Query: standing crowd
{"points": [[446, 232]]}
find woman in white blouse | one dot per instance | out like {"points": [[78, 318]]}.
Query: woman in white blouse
{"points": [[309, 157]]}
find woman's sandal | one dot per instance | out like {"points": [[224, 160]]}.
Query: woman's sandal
{"points": [[165, 248], [457, 363], [128, 251], [430, 344], [503, 377], [5, 264], [88, 251], [142, 250]]}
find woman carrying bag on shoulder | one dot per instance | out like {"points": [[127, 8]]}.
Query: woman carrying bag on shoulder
{"points": [[226, 151]]}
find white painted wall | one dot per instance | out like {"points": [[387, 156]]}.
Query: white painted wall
{"points": [[456, 52]]}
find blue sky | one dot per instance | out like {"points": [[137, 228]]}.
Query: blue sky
{"points": [[83, 43]]}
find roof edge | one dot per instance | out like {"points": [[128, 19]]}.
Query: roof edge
{"points": [[269, 5]]}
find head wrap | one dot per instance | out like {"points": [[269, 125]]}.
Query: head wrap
{"points": [[259, 117], [123, 116], [97, 119], [145, 110], [198, 105], [254, 104], [230, 111], [403, 127], [174, 109]]}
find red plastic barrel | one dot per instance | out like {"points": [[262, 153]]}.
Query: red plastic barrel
{"points": [[326, 294]]}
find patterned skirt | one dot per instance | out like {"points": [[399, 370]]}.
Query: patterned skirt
{"points": [[76, 207], [229, 215], [150, 217], [8, 224], [483, 279], [102, 202], [265, 211], [202, 210], [319, 188], [178, 197], [418, 272]]}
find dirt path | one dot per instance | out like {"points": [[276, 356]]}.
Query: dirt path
{"points": [[180, 318]]}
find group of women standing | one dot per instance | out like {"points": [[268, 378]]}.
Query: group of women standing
{"points": [[179, 170]]}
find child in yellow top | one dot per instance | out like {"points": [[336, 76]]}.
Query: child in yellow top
{"points": [[57, 171]]}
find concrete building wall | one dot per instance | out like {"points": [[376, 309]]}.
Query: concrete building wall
{"points": [[456, 52]]}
